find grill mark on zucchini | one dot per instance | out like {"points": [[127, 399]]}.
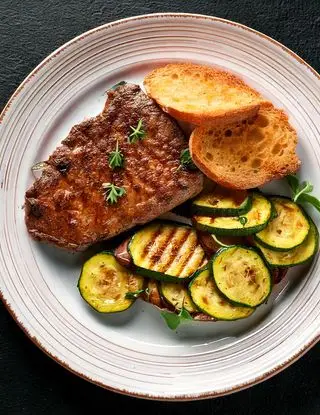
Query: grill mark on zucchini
{"points": [[184, 264], [173, 256], [180, 259], [147, 247], [194, 257], [177, 242], [157, 255], [154, 248], [177, 248]]}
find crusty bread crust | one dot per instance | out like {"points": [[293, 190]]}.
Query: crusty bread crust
{"points": [[225, 117], [201, 94], [247, 154]]}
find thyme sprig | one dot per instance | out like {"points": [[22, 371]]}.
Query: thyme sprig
{"points": [[112, 192], [138, 133], [116, 158]]}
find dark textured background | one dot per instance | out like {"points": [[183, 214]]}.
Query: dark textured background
{"points": [[30, 382]]}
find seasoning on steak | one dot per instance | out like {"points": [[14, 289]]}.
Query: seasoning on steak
{"points": [[67, 206]]}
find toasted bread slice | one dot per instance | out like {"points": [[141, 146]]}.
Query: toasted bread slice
{"points": [[247, 154], [201, 94]]}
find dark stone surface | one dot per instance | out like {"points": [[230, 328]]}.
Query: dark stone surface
{"points": [[30, 382]]}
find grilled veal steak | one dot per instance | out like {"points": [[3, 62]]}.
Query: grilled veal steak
{"points": [[67, 206]]}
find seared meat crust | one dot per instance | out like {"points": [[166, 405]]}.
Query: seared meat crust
{"points": [[66, 206]]}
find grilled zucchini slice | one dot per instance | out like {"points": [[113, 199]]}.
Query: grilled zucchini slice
{"points": [[222, 202], [104, 283], [166, 251], [208, 298], [252, 222], [242, 276], [296, 256], [177, 295], [288, 229]]}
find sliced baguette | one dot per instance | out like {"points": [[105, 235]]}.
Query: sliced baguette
{"points": [[201, 94], [247, 154]]}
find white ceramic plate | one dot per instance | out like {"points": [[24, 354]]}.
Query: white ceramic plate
{"points": [[134, 352]]}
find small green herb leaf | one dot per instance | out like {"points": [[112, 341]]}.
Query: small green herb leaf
{"points": [[131, 295], [114, 87], [305, 198], [304, 187], [137, 134], [293, 182], [243, 220], [173, 320], [116, 158], [186, 160], [301, 192], [112, 192], [184, 315]]}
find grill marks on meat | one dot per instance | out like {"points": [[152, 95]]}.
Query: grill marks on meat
{"points": [[66, 205]]}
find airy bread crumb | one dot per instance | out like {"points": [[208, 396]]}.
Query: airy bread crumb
{"points": [[247, 154], [201, 94]]}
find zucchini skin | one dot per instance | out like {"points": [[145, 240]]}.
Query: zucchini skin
{"points": [[293, 264], [90, 303], [231, 232], [211, 211], [188, 305], [245, 231], [275, 214], [208, 268], [273, 248], [257, 251], [157, 275]]}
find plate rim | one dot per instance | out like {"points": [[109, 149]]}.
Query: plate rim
{"points": [[48, 58], [182, 397]]}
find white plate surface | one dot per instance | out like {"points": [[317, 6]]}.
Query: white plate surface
{"points": [[133, 352]]}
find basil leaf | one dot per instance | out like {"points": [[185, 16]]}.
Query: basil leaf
{"points": [[173, 320], [293, 182], [184, 315], [300, 192], [304, 187], [305, 198]]}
